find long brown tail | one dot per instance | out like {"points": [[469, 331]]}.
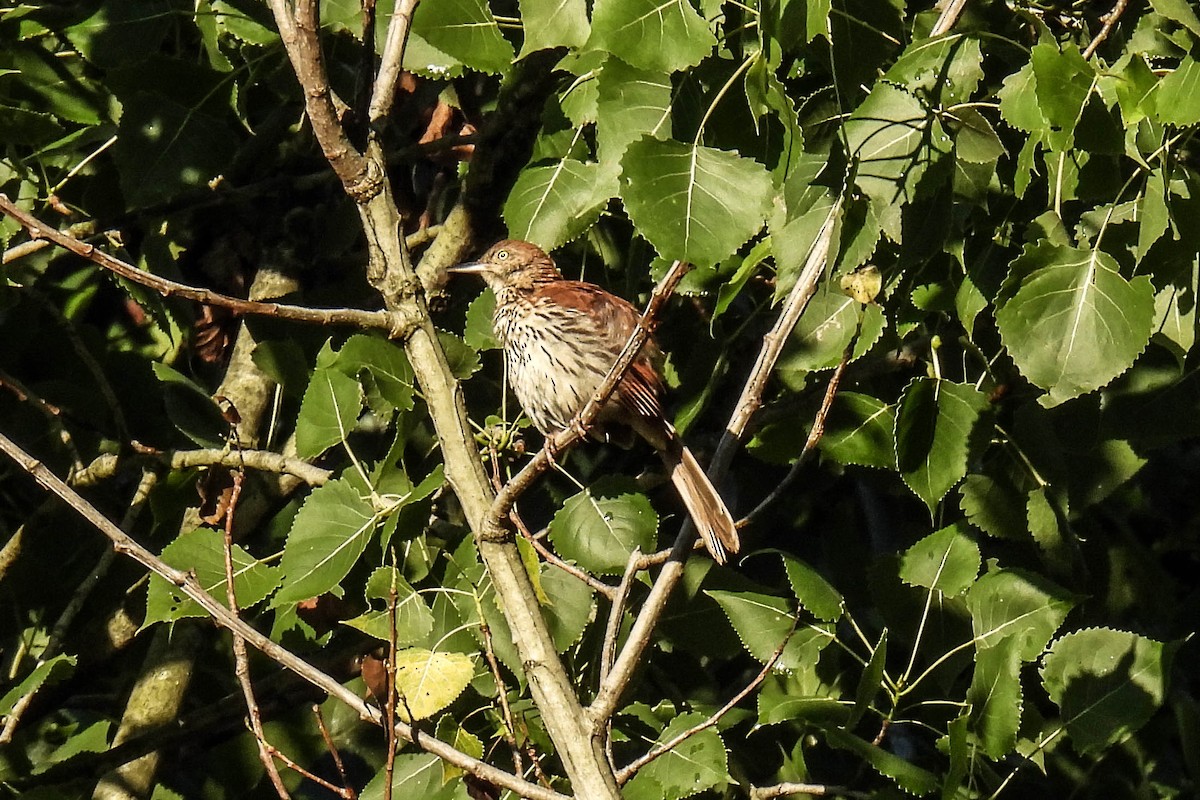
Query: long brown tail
{"points": [[704, 504]]}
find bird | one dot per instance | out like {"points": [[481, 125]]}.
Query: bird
{"points": [[560, 339]]}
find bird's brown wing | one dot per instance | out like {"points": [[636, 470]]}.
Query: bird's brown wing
{"points": [[614, 320]]}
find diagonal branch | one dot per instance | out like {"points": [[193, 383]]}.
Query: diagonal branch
{"points": [[188, 585], [609, 695]]}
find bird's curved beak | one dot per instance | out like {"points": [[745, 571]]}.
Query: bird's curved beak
{"points": [[470, 268]]}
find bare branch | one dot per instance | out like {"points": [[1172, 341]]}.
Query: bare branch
{"points": [[950, 14], [811, 789], [396, 324], [384, 94], [1110, 20], [240, 658], [189, 586], [358, 174]]}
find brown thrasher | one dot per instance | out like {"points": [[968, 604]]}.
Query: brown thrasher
{"points": [[560, 339]]}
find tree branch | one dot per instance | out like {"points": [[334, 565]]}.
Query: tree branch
{"points": [[397, 325], [188, 585], [383, 96]]}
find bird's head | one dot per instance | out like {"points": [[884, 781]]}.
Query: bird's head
{"points": [[512, 264]]}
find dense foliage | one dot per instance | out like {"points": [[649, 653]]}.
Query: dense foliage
{"points": [[981, 583]]}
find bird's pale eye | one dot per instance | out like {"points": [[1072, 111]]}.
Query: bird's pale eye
{"points": [[501, 255]]}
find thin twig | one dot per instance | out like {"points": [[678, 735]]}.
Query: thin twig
{"points": [[106, 466], [317, 779], [627, 772], [51, 412], [1110, 21], [189, 586], [611, 631], [510, 729], [390, 710], [395, 324], [384, 94], [347, 791], [814, 438], [811, 789]]}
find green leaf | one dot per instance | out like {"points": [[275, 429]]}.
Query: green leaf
{"points": [[478, 332], [632, 102], [1018, 101], [166, 145], [934, 425], [328, 412], [693, 203], [464, 361], [121, 33], [49, 672], [1179, 95], [908, 776], [414, 619], [428, 681], [1180, 11], [551, 205], [888, 139], [946, 69], [994, 508], [976, 141], [572, 606], [763, 623], [869, 683], [1074, 323], [1013, 603], [1106, 683], [860, 429], [826, 328], [190, 408], [202, 551], [415, 776], [465, 30], [599, 527], [553, 23], [947, 561], [996, 698], [1064, 83], [812, 591], [327, 536], [386, 363], [696, 764], [662, 36]]}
